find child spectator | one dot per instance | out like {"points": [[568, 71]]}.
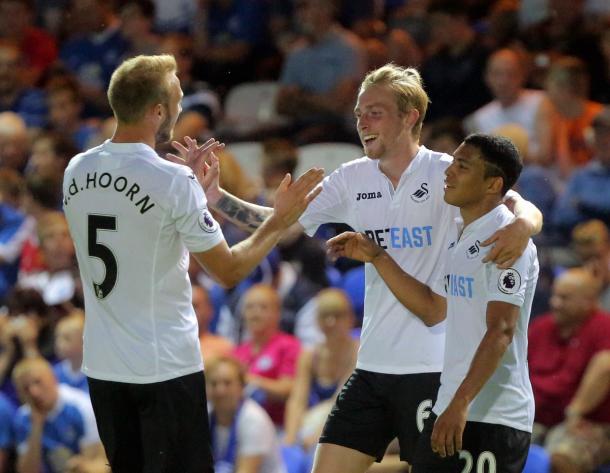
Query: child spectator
{"points": [[69, 350]]}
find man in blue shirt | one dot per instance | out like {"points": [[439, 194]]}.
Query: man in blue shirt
{"points": [[7, 412], [587, 194], [55, 427]]}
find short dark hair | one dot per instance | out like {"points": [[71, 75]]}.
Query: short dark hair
{"points": [[500, 155]]}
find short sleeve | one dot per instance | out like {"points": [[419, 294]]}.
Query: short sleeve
{"points": [[193, 220], [256, 431], [330, 206], [508, 285]]}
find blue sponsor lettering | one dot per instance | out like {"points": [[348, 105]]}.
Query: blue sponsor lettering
{"points": [[460, 286], [402, 237]]}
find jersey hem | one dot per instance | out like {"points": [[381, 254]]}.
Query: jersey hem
{"points": [[142, 379], [385, 369], [494, 421]]}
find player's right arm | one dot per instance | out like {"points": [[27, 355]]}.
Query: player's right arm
{"points": [[416, 296], [228, 266]]}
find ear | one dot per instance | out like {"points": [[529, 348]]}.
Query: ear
{"points": [[495, 184], [158, 111], [411, 118]]}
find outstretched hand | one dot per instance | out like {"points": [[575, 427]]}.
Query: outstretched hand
{"points": [[353, 245], [202, 160], [292, 198]]}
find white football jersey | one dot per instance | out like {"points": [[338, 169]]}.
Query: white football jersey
{"points": [[411, 222], [134, 217], [469, 285]]}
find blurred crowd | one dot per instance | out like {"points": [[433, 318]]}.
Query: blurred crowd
{"points": [[279, 346]]}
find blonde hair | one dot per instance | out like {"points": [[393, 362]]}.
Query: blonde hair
{"points": [[213, 365], [139, 83], [26, 364], [407, 86]]}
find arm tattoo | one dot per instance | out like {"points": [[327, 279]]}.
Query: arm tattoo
{"points": [[240, 213]]}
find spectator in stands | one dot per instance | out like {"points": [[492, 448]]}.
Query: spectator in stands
{"points": [[14, 142], [66, 107], [57, 283], [564, 116], [580, 445], [55, 428], [51, 152], [322, 370], [201, 107], [137, 21], [453, 76], [562, 343], [591, 242], [444, 135], [69, 350], [26, 332], [94, 49], [7, 413], [229, 38], [319, 80], [385, 44], [42, 194], [212, 345], [587, 193], [505, 75], [12, 187], [15, 95], [38, 47], [269, 355], [280, 156], [243, 435], [13, 233], [563, 31]]}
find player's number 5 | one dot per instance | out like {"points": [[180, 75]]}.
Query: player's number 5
{"points": [[98, 250]]}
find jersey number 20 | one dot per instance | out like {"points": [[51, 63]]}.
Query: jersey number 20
{"points": [[98, 250]]}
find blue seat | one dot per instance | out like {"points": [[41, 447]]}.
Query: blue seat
{"points": [[538, 461], [295, 459]]}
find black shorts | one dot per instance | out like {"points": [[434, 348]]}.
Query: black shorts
{"points": [[489, 448], [374, 408], [154, 428]]}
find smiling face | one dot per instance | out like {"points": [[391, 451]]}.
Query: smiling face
{"points": [[383, 130], [465, 181]]}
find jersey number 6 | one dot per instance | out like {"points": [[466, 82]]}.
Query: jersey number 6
{"points": [[98, 250]]}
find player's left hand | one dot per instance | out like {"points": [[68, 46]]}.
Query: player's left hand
{"points": [[202, 160], [448, 429], [509, 243]]}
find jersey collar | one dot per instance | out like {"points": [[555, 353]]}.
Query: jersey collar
{"points": [[479, 223], [128, 148]]}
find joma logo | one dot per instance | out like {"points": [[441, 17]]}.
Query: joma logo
{"points": [[368, 195]]}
